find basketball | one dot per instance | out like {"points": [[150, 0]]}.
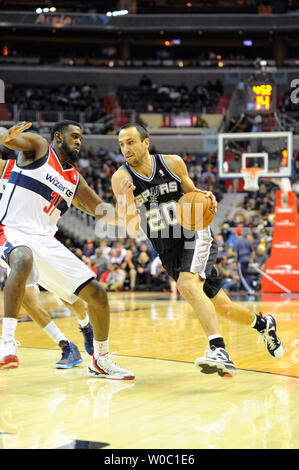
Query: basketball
{"points": [[195, 211]]}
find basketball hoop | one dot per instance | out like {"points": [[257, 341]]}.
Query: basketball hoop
{"points": [[250, 176]]}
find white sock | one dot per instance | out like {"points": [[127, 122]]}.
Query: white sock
{"points": [[100, 348], [9, 326], [84, 322], [54, 332]]}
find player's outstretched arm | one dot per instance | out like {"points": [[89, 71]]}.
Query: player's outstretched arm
{"points": [[178, 167], [14, 139], [87, 200]]}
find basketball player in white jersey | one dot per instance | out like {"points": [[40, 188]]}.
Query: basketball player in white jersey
{"points": [[39, 190], [155, 183], [31, 303]]}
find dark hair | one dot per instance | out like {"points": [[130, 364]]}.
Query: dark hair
{"points": [[62, 125], [142, 131]]}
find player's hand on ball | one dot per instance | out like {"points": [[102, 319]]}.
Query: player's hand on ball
{"points": [[210, 195], [9, 134]]}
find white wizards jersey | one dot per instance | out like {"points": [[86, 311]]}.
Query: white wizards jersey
{"points": [[9, 164], [36, 196]]}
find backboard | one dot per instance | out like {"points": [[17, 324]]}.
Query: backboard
{"points": [[270, 151]]}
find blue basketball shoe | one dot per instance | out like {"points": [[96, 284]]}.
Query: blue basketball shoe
{"points": [[87, 332], [70, 356]]}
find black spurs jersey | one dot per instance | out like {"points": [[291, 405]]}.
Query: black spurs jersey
{"points": [[156, 197]]}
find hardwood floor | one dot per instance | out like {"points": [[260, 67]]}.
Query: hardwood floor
{"points": [[170, 405]]}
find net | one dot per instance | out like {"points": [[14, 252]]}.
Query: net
{"points": [[250, 176]]}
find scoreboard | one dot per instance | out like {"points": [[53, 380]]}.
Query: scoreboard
{"points": [[260, 97]]}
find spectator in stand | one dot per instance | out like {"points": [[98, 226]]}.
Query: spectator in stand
{"points": [[225, 231], [116, 256], [89, 248], [105, 248], [258, 258], [118, 278], [102, 153], [201, 94], [83, 161], [248, 212], [230, 221], [243, 249], [263, 242], [143, 267], [221, 245], [231, 256], [231, 278], [100, 260], [255, 240], [208, 176], [129, 267], [238, 216], [231, 239], [129, 243], [234, 276], [160, 279], [121, 250], [148, 249], [106, 276], [132, 246], [251, 239], [113, 278], [145, 83], [79, 253]]}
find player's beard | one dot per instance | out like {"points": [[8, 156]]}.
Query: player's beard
{"points": [[138, 159], [68, 152]]}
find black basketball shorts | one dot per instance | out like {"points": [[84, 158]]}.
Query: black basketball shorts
{"points": [[197, 256]]}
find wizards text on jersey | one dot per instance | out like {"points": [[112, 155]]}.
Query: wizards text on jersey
{"points": [[54, 180]]}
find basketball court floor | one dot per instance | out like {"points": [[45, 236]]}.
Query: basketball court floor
{"points": [[170, 405]]}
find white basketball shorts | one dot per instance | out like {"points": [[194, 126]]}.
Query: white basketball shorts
{"points": [[55, 267]]}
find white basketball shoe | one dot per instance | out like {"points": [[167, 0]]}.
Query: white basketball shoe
{"points": [[8, 354], [216, 360], [104, 367]]}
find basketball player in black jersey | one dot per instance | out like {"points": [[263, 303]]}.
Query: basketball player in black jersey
{"points": [[147, 188]]}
